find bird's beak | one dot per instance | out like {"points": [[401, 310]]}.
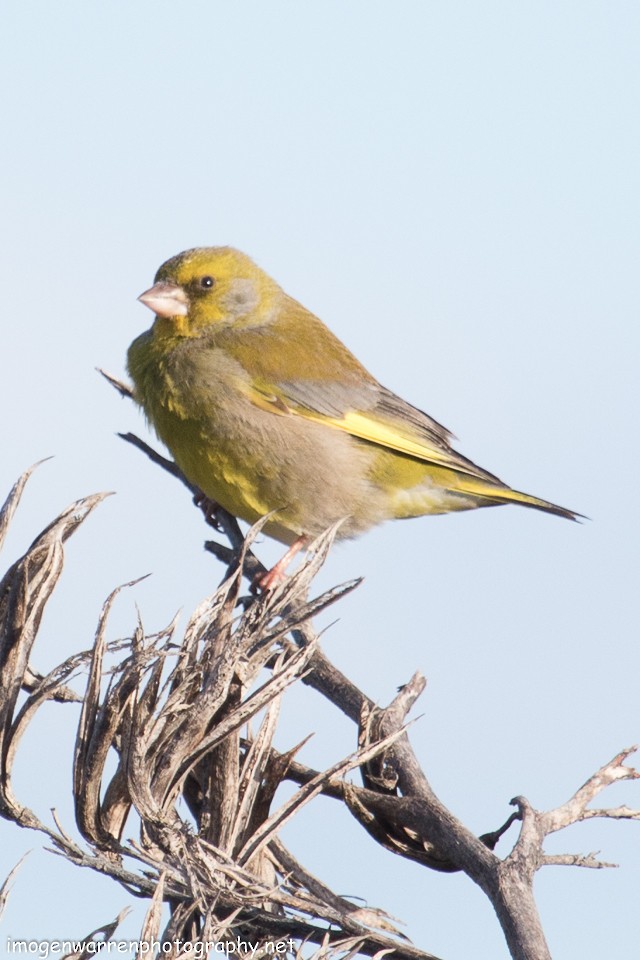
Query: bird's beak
{"points": [[166, 299]]}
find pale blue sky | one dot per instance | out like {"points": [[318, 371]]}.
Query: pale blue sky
{"points": [[453, 188]]}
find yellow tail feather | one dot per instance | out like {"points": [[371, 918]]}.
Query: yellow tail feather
{"points": [[499, 495]]}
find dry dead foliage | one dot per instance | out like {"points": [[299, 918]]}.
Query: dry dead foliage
{"points": [[191, 723]]}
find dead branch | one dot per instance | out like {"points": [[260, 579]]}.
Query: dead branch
{"points": [[179, 714]]}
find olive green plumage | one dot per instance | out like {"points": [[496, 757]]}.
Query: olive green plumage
{"points": [[265, 410]]}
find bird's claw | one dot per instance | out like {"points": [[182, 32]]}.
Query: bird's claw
{"points": [[263, 582], [209, 509]]}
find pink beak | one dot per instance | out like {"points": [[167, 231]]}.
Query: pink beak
{"points": [[166, 299]]}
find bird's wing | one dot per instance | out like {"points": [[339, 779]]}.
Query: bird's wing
{"points": [[369, 412]]}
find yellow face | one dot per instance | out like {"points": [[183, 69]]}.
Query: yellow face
{"points": [[210, 285]]}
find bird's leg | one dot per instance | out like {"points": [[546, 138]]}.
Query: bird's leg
{"points": [[209, 509], [267, 581]]}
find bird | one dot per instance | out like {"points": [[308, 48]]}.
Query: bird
{"points": [[269, 414]]}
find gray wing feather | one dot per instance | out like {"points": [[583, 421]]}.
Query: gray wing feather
{"points": [[337, 398]]}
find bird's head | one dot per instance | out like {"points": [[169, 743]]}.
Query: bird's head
{"points": [[208, 286]]}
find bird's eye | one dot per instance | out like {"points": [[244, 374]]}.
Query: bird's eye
{"points": [[206, 282]]}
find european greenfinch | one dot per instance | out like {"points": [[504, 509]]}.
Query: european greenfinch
{"points": [[267, 412]]}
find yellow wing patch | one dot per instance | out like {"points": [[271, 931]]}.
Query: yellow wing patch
{"points": [[370, 428]]}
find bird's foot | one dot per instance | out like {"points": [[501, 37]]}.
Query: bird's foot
{"points": [[264, 582], [209, 509]]}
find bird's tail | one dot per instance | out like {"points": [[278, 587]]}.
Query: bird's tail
{"points": [[490, 495]]}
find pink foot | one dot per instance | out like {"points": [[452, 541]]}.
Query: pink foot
{"points": [[272, 578]]}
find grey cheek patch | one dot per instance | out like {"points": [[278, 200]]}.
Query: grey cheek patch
{"points": [[242, 297]]}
